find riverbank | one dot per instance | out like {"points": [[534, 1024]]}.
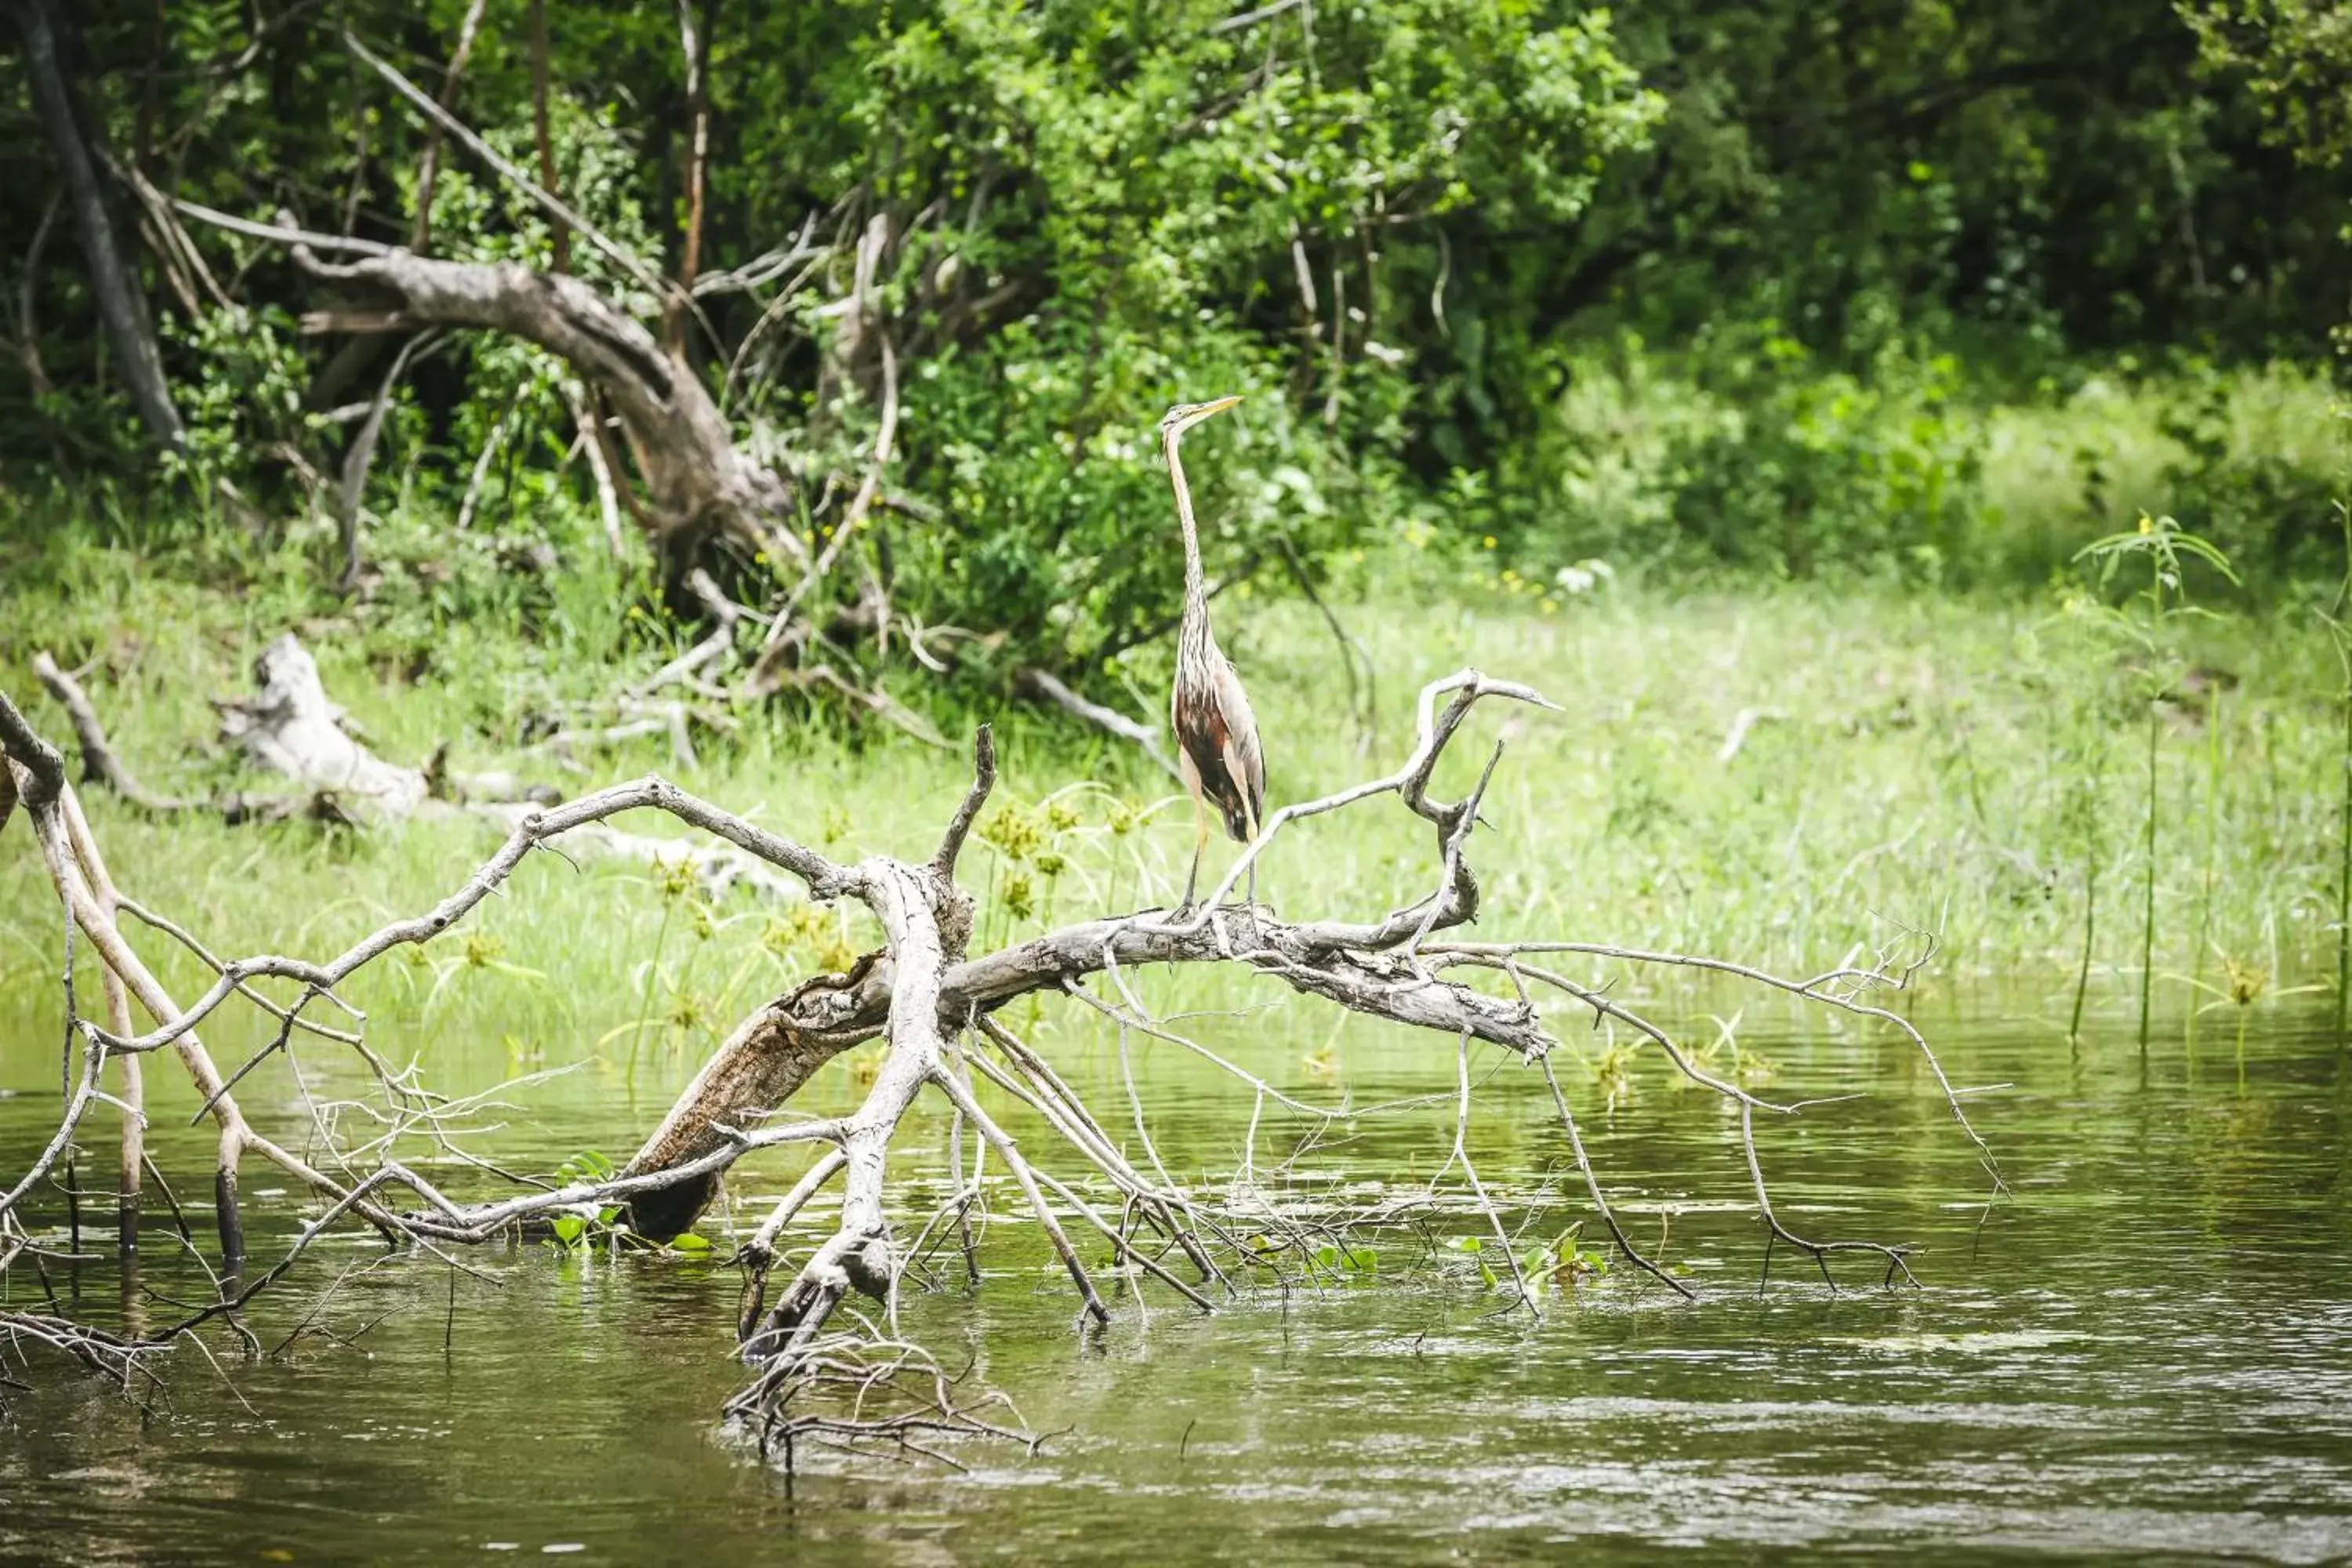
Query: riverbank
{"points": [[1775, 776]]}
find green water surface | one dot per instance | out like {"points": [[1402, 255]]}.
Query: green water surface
{"points": [[2144, 1352]]}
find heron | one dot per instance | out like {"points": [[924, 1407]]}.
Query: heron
{"points": [[1217, 753]]}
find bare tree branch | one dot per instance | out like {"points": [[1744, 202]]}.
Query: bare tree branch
{"points": [[442, 118], [421, 235], [825, 1367], [99, 761], [1048, 685]]}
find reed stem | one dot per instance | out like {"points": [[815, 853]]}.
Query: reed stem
{"points": [[2214, 718], [2090, 889], [2148, 928]]}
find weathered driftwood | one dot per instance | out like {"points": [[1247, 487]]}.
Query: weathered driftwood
{"points": [[760, 1066], [290, 728], [1045, 685], [69, 850], [99, 762], [936, 1008]]}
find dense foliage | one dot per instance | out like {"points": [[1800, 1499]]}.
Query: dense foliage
{"points": [[1686, 282]]}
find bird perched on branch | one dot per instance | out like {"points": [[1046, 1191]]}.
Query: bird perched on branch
{"points": [[1217, 753]]}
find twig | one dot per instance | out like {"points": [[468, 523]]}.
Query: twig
{"points": [[1044, 684], [618, 255], [984, 779], [1251, 19], [99, 761], [420, 235], [280, 233], [361, 457]]}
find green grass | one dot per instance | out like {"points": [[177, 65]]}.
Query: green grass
{"points": [[1919, 762]]}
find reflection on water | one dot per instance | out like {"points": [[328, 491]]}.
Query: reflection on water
{"points": [[2143, 1352]]}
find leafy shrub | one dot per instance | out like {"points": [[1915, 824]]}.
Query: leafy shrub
{"points": [[1810, 471], [2269, 501], [1753, 459]]}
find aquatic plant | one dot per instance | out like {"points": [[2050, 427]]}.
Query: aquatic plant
{"points": [[2144, 622]]}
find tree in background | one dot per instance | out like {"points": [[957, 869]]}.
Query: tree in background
{"points": [[930, 270], [936, 269]]}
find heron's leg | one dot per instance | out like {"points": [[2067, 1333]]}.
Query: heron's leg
{"points": [[1200, 843], [1249, 897]]}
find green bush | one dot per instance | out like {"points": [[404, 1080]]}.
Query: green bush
{"points": [[1806, 472], [1747, 454], [2270, 503]]}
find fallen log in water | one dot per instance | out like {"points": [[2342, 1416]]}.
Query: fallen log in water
{"points": [[938, 1009]]}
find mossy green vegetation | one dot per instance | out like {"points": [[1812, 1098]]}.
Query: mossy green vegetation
{"points": [[1767, 290]]}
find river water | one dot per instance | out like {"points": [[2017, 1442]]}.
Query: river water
{"points": [[2144, 1350]]}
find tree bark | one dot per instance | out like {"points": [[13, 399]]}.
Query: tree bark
{"points": [[119, 305], [421, 235], [704, 492], [762, 1065], [560, 234], [696, 41]]}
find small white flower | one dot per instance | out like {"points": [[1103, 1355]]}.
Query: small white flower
{"points": [[1584, 576]]}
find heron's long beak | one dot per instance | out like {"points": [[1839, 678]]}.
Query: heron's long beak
{"points": [[1207, 410]]}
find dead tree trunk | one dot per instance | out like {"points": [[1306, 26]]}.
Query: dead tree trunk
{"points": [[121, 306], [761, 1064], [702, 492]]}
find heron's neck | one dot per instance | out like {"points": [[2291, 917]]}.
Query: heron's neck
{"points": [[1196, 589]]}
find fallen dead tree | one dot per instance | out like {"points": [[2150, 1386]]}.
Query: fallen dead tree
{"points": [[287, 727], [939, 1009]]}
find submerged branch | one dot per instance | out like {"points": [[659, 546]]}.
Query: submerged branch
{"points": [[934, 1006]]}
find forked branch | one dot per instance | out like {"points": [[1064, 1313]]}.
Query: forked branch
{"points": [[938, 1008]]}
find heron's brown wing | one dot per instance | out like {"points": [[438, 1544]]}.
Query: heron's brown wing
{"points": [[1219, 739], [1244, 757]]}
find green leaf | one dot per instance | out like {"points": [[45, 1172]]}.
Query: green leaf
{"points": [[688, 1242]]}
